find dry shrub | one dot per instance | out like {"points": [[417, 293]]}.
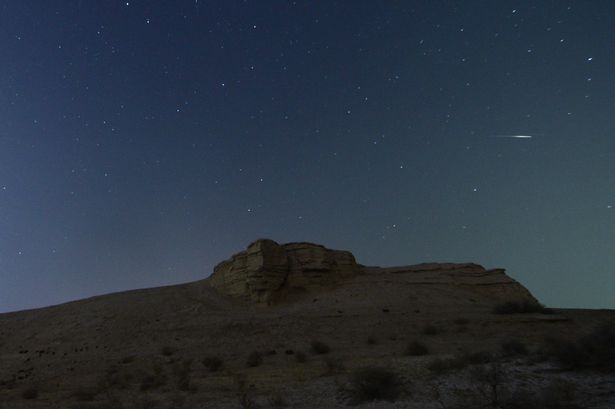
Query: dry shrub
{"points": [[301, 357], [416, 348], [153, 380], [514, 347], [213, 363], [277, 401], [254, 359], [30, 393], [85, 394], [167, 350], [444, 365], [595, 351], [521, 307], [430, 330], [370, 384], [319, 347], [334, 366]]}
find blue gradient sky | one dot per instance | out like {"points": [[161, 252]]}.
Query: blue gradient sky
{"points": [[142, 142]]}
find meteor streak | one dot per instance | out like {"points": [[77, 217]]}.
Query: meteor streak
{"points": [[513, 136]]}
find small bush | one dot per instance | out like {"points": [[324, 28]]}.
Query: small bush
{"points": [[85, 394], [277, 401], [416, 348], [444, 365], [521, 307], [369, 384], [114, 378], [167, 350], [153, 380], [514, 347], [430, 330], [334, 365], [213, 363], [372, 340], [440, 366], [246, 402], [182, 371], [320, 348], [476, 358], [595, 351], [462, 321], [30, 393], [301, 357], [128, 359], [254, 359], [557, 395]]}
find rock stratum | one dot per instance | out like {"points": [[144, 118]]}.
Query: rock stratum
{"points": [[266, 272]]}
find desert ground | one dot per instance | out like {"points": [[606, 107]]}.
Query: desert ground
{"points": [[301, 326]]}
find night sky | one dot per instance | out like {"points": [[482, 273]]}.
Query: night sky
{"points": [[143, 142]]}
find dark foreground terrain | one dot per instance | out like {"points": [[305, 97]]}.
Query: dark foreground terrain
{"points": [[300, 326]]}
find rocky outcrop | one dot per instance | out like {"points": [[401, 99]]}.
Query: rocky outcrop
{"points": [[266, 270], [494, 283]]}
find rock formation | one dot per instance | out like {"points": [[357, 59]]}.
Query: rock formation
{"points": [[493, 283], [266, 269]]}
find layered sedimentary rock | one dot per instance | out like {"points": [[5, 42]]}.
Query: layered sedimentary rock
{"points": [[490, 282], [266, 269]]}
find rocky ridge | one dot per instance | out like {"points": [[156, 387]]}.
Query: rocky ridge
{"points": [[266, 272]]}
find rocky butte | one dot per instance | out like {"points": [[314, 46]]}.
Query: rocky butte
{"points": [[267, 272]]}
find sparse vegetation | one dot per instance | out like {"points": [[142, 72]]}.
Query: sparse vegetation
{"points": [[369, 384], [319, 347], [444, 365], [440, 366], [167, 350], [301, 357], [430, 330], [254, 359], [182, 371], [521, 307], [558, 394], [595, 351], [416, 348], [30, 393], [153, 380], [213, 363], [462, 321], [513, 347], [114, 378], [245, 402], [334, 365], [128, 359], [277, 401], [85, 394]]}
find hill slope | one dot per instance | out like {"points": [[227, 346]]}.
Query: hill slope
{"points": [[145, 348]]}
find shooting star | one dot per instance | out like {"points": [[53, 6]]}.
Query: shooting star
{"points": [[513, 136]]}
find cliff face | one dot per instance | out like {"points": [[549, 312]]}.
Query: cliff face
{"points": [[266, 269], [493, 283], [267, 272]]}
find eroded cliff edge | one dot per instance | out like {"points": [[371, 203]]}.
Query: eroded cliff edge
{"points": [[266, 272]]}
